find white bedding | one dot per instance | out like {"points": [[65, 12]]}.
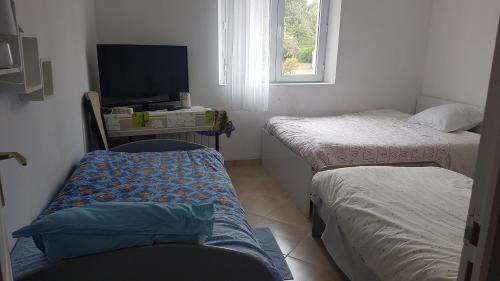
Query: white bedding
{"points": [[374, 137], [405, 223]]}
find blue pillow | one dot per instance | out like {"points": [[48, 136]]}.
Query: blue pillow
{"points": [[102, 227]]}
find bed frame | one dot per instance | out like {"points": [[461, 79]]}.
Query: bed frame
{"points": [[318, 225], [294, 173], [157, 262], [345, 256], [289, 169]]}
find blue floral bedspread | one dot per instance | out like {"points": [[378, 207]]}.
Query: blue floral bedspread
{"points": [[194, 177]]}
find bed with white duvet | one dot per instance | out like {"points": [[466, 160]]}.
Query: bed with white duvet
{"points": [[394, 223]]}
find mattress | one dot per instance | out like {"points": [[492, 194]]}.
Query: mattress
{"points": [[371, 137], [402, 223], [194, 177]]}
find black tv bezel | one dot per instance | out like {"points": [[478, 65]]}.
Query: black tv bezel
{"points": [[145, 102]]}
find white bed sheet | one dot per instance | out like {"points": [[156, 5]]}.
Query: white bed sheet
{"points": [[369, 137], [404, 223]]}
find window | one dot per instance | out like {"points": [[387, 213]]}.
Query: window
{"points": [[298, 40], [298, 35]]}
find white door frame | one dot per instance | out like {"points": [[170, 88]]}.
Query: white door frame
{"points": [[5, 265], [481, 253]]}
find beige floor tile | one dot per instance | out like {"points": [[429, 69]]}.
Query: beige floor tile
{"points": [[283, 229], [258, 185], [267, 205], [286, 243], [287, 212], [331, 276], [312, 250], [301, 270], [257, 204], [305, 271], [253, 219], [243, 170]]}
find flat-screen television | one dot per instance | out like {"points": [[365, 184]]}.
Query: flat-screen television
{"points": [[141, 74]]}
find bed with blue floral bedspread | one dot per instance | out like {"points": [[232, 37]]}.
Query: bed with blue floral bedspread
{"points": [[195, 177]]}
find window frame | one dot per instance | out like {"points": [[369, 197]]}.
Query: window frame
{"points": [[276, 53], [277, 17]]}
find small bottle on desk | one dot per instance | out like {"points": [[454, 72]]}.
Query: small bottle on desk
{"points": [[185, 99]]}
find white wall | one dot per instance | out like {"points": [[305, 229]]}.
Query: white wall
{"points": [[48, 133], [381, 54], [460, 49]]}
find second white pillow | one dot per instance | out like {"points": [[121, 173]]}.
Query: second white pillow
{"points": [[449, 117]]}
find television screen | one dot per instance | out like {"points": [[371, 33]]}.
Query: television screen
{"points": [[141, 74]]}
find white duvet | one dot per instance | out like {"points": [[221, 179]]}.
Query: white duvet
{"points": [[369, 137], [406, 223]]}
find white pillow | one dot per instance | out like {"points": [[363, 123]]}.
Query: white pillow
{"points": [[449, 117]]}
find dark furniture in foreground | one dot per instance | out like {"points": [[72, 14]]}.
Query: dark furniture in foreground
{"points": [[157, 263]]}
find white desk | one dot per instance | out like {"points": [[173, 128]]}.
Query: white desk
{"points": [[195, 119]]}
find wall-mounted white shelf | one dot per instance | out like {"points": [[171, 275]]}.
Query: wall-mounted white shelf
{"points": [[29, 79], [32, 77]]}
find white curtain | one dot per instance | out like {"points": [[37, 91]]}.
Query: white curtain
{"points": [[248, 54]]}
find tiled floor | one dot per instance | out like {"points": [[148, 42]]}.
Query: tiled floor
{"points": [[267, 205]]}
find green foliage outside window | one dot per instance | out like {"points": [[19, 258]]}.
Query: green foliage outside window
{"points": [[289, 65], [291, 47], [299, 42]]}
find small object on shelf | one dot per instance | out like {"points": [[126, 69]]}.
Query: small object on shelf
{"points": [[6, 59], [12, 57], [122, 110], [185, 99], [140, 119]]}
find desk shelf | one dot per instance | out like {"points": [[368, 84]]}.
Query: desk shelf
{"points": [[196, 119]]}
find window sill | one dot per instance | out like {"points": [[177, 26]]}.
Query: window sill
{"points": [[301, 84], [294, 84]]}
